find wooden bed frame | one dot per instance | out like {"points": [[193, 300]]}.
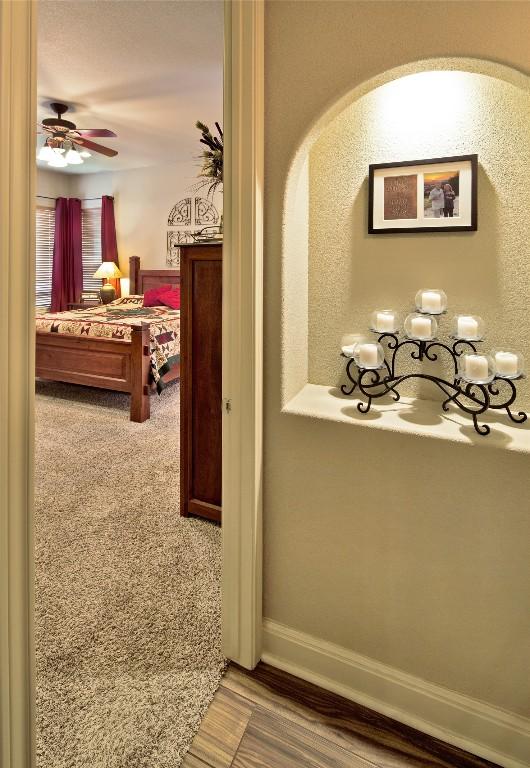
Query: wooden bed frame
{"points": [[122, 366]]}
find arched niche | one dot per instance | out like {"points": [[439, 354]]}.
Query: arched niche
{"points": [[310, 347]]}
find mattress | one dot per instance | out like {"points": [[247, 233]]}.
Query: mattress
{"points": [[116, 321]]}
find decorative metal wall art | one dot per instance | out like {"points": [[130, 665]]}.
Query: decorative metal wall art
{"points": [[180, 214], [193, 219], [174, 240], [205, 212]]}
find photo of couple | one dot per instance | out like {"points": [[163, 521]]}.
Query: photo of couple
{"points": [[448, 186], [441, 195]]}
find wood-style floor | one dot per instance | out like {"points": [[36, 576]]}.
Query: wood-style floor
{"points": [[269, 719]]}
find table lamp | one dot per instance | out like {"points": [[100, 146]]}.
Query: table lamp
{"points": [[107, 271]]}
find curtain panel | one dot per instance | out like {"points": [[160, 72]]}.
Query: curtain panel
{"points": [[67, 270], [109, 246]]}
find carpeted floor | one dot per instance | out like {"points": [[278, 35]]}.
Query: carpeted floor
{"points": [[127, 592]]}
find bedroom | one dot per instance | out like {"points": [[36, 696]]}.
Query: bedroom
{"points": [[113, 405]]}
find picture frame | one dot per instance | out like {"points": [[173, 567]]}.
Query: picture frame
{"points": [[434, 195]]}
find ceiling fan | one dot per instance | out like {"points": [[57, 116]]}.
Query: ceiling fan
{"points": [[63, 139]]}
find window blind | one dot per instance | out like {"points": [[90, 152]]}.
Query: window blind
{"points": [[91, 247], [45, 229]]}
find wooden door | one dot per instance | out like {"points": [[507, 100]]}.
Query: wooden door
{"points": [[201, 369]]}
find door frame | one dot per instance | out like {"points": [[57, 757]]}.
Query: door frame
{"points": [[243, 331], [242, 357], [17, 302]]}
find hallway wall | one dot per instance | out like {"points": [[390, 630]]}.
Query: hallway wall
{"points": [[404, 550]]}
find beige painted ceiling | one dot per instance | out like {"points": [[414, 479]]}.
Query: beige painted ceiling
{"points": [[145, 69]]}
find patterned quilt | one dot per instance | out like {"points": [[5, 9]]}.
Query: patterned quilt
{"points": [[115, 321]]}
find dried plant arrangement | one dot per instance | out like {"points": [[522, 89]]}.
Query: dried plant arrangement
{"points": [[211, 175]]}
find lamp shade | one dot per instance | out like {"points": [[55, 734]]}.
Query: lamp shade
{"points": [[109, 270]]}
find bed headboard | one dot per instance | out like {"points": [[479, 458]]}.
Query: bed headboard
{"points": [[143, 279]]}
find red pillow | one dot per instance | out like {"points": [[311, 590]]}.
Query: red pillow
{"points": [[171, 298], [152, 295]]}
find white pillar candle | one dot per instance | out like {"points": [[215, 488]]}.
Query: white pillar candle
{"points": [[506, 363], [420, 327], [385, 322], [348, 350], [467, 327], [431, 301], [476, 367], [368, 355]]}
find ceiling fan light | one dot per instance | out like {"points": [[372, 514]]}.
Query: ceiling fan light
{"points": [[72, 157], [46, 153], [58, 162], [84, 153]]}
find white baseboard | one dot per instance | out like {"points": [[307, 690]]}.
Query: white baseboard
{"points": [[472, 725]]}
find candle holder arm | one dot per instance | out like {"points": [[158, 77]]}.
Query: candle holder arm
{"points": [[471, 397]]}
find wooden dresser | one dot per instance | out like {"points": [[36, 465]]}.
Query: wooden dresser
{"points": [[201, 270]]}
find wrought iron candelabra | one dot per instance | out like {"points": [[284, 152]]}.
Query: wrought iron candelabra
{"points": [[473, 398]]}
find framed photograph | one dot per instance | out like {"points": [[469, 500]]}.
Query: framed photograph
{"points": [[438, 195]]}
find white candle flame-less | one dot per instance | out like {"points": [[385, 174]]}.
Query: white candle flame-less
{"points": [[368, 355], [506, 364], [431, 301], [348, 350], [385, 322], [421, 327], [476, 367], [467, 327]]}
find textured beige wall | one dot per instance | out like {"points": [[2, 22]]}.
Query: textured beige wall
{"points": [[143, 198], [432, 114], [407, 550], [52, 184]]}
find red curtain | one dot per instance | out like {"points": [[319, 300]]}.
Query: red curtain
{"points": [[67, 271], [109, 246]]}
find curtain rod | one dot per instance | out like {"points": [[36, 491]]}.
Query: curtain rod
{"points": [[83, 199]]}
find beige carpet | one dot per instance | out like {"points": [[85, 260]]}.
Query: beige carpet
{"points": [[127, 592]]}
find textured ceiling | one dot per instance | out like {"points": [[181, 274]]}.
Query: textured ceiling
{"points": [[146, 69]]}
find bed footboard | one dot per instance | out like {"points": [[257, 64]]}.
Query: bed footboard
{"points": [[140, 355], [114, 364]]}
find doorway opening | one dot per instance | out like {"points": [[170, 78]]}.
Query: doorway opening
{"points": [[128, 393]]}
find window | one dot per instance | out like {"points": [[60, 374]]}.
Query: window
{"points": [[45, 229], [90, 245]]}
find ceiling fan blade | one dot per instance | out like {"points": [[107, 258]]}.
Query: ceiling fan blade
{"points": [[96, 132], [95, 147]]}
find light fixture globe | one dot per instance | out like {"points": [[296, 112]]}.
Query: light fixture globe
{"points": [[73, 157], [475, 368], [57, 161], [431, 301], [46, 153], [420, 327]]}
